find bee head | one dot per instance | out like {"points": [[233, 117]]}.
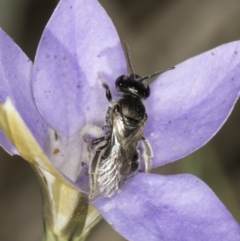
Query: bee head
{"points": [[132, 84]]}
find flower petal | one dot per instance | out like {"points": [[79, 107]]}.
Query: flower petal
{"points": [[15, 85], [23, 131], [79, 47], [179, 207], [189, 104]]}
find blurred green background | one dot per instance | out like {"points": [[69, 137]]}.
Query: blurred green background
{"points": [[160, 34]]}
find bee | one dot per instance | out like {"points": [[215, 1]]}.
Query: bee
{"points": [[116, 156]]}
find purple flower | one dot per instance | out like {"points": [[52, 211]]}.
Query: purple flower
{"points": [[44, 107]]}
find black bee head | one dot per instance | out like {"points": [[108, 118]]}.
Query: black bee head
{"points": [[132, 84]]}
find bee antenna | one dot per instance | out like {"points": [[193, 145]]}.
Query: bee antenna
{"points": [[128, 55], [157, 73]]}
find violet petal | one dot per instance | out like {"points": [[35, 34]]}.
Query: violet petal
{"points": [[15, 84], [189, 104], [79, 48], [177, 207]]}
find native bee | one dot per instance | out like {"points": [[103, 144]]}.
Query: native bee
{"points": [[116, 156]]}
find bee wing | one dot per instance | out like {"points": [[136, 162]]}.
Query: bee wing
{"points": [[116, 168], [113, 171]]}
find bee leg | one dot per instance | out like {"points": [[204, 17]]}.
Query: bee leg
{"points": [[97, 141], [93, 170], [135, 163], [147, 153], [108, 92], [100, 139]]}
